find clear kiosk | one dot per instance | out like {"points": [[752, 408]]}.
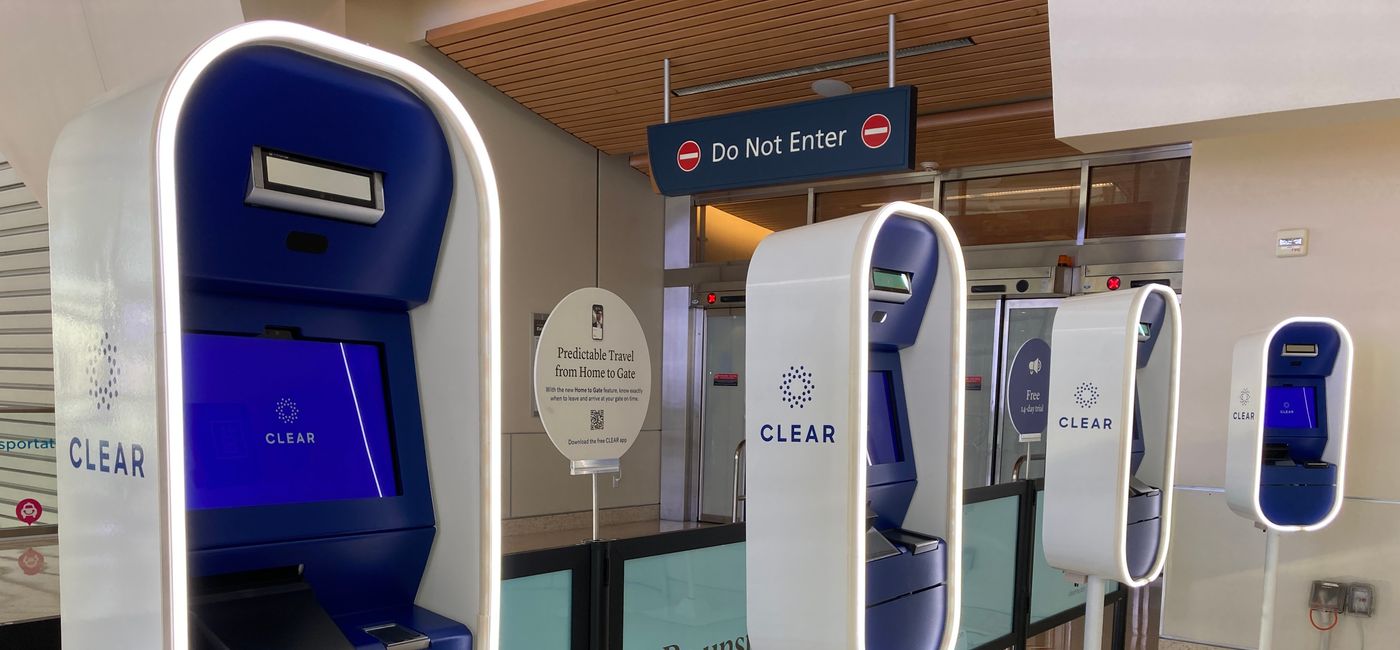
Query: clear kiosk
{"points": [[854, 407], [275, 299], [1111, 440], [1285, 464]]}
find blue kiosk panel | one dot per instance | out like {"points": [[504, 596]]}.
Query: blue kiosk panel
{"points": [[905, 570], [1144, 501], [1297, 487], [310, 511]]}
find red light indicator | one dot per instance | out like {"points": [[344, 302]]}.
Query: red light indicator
{"points": [[710, 298], [1114, 282]]}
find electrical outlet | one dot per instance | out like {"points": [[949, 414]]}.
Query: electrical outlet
{"points": [[1361, 599], [1328, 596]]}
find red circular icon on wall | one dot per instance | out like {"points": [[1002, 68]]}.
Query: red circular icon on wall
{"points": [[31, 562], [875, 132], [28, 511], [688, 156]]}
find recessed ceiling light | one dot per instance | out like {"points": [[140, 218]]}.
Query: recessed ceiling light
{"points": [[831, 87]]}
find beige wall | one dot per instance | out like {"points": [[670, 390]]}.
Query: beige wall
{"points": [[1339, 182], [58, 55], [570, 218], [1135, 73]]}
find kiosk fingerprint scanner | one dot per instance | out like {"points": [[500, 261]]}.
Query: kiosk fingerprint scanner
{"points": [[281, 391], [1288, 424], [1108, 486], [881, 301]]}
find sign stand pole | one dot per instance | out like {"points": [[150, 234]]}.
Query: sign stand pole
{"points": [[593, 468], [596, 537], [1266, 617]]}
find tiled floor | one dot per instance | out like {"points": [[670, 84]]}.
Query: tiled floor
{"points": [[28, 579]]}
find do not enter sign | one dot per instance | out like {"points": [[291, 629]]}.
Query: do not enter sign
{"points": [[688, 156], [875, 132]]}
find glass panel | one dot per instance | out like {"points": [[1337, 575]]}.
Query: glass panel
{"points": [[536, 612], [732, 230], [1025, 320], [989, 570], [1009, 209], [691, 599], [1138, 199], [834, 205], [723, 423], [1051, 593], [980, 393]]}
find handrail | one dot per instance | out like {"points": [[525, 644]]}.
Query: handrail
{"points": [[740, 483], [1021, 462]]}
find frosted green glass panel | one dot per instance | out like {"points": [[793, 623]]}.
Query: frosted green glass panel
{"points": [[536, 611], [989, 570], [690, 600]]}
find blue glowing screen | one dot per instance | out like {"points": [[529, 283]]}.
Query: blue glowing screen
{"points": [[1291, 407], [277, 421], [882, 426]]}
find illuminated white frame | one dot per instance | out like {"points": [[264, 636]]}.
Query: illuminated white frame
{"points": [[462, 132], [1077, 533], [1245, 445], [853, 238]]}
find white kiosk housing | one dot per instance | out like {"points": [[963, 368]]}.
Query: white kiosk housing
{"points": [[854, 429], [1111, 440], [288, 201], [1285, 462]]}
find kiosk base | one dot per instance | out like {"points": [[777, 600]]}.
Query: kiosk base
{"points": [[905, 594], [1144, 529], [276, 609]]}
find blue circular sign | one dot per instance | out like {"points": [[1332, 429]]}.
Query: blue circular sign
{"points": [[1028, 388]]}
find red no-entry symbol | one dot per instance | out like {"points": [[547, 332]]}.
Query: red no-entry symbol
{"points": [[875, 132], [688, 156]]}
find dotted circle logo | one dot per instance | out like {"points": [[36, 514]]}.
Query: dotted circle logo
{"points": [[1086, 395], [1244, 397], [103, 372], [797, 386], [287, 410]]}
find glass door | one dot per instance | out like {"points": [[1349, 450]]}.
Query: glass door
{"points": [[980, 395], [1021, 455], [722, 411]]}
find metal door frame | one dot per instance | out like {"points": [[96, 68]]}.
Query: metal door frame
{"points": [[993, 395], [703, 341]]}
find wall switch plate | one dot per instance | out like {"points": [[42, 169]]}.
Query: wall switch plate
{"points": [[1361, 599], [1328, 596], [1292, 243]]}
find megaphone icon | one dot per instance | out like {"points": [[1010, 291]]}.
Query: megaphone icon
{"points": [[1035, 366]]}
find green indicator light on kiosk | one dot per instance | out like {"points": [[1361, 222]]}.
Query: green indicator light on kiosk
{"points": [[886, 280]]}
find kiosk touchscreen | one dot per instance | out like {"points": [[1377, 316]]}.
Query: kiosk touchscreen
{"points": [[1290, 397], [1111, 440], [275, 297], [854, 433]]}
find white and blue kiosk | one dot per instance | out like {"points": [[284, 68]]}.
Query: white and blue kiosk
{"points": [[276, 318], [854, 410], [1110, 448], [1285, 463]]}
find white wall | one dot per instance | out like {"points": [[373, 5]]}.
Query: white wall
{"points": [[1339, 182], [570, 218], [58, 55], [1139, 72]]}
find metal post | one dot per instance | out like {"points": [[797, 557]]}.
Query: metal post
{"points": [[596, 537], [1266, 616], [1093, 613], [891, 50], [666, 90]]}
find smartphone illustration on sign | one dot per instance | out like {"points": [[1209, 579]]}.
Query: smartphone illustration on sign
{"points": [[597, 322]]}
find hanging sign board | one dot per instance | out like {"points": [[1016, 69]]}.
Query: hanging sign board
{"points": [[861, 133], [592, 379], [1028, 390]]}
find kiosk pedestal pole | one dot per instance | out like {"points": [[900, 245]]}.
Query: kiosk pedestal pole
{"points": [[1093, 613], [1266, 617]]}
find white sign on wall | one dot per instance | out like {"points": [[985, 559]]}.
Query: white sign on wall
{"points": [[592, 379]]}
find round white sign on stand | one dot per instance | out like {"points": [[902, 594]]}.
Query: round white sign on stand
{"points": [[592, 379]]}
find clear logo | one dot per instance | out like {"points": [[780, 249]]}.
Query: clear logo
{"points": [[287, 411], [103, 372], [797, 386], [1086, 395]]}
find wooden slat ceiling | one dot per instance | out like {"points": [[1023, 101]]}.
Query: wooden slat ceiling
{"points": [[593, 67]]}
